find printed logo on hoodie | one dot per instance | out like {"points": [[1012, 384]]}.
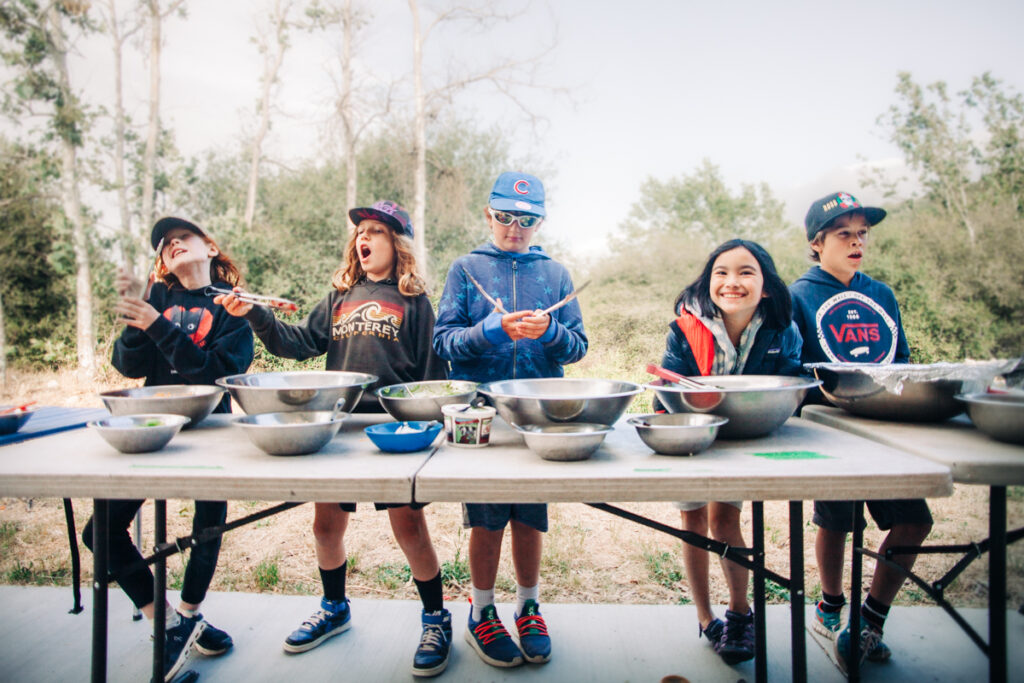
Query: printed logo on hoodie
{"points": [[372, 318], [195, 322], [853, 328]]}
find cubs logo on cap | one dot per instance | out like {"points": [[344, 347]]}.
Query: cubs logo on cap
{"points": [[828, 208], [515, 191]]}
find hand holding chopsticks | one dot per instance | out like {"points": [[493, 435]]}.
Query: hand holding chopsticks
{"points": [[254, 299], [524, 324]]}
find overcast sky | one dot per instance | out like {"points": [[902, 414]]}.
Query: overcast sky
{"points": [[786, 93]]}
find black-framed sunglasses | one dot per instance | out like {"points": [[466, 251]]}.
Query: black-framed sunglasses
{"points": [[525, 222]]}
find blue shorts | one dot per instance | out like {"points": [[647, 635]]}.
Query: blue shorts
{"points": [[496, 516], [837, 515], [351, 507]]}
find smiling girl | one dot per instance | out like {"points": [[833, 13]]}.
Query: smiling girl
{"points": [[378, 320], [735, 319]]}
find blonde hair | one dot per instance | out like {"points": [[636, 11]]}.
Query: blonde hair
{"points": [[410, 282], [222, 268]]}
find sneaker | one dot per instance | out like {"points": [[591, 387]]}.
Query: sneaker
{"points": [[178, 643], [714, 630], [212, 641], [533, 634], [435, 643], [333, 617], [827, 623], [491, 641], [737, 642], [870, 639]]}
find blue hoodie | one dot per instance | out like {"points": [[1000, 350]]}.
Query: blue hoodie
{"points": [[840, 324], [468, 331]]}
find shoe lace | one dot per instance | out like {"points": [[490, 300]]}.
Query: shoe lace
{"points": [[869, 640], [531, 625], [490, 630], [432, 637], [738, 633], [317, 618]]}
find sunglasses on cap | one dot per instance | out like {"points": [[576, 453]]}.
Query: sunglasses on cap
{"points": [[525, 222]]}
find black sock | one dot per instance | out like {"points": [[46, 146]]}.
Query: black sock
{"points": [[832, 603], [873, 612], [334, 582], [431, 593]]}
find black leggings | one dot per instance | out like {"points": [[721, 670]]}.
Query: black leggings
{"points": [[139, 584]]}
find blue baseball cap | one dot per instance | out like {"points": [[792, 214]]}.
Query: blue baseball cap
{"points": [[830, 207], [515, 191]]}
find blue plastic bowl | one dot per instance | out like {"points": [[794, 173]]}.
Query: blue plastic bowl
{"points": [[386, 438]]}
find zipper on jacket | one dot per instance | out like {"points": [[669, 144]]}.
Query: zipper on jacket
{"points": [[515, 307]]}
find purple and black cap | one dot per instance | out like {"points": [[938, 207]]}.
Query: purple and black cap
{"points": [[168, 223], [388, 213], [830, 207]]}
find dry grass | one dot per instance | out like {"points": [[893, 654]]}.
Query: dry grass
{"points": [[589, 556]]}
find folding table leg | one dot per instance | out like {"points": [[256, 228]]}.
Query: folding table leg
{"points": [[137, 539], [159, 589], [760, 638], [997, 670], [853, 666], [100, 544], [796, 590]]}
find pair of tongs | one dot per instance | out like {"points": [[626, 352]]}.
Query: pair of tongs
{"points": [[501, 309], [676, 378], [256, 299]]}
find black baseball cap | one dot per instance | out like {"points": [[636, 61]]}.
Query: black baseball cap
{"points": [[168, 223], [830, 207], [387, 212]]}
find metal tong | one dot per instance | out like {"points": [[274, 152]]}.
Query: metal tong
{"points": [[257, 299], [676, 378], [501, 309]]}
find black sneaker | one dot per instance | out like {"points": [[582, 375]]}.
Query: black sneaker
{"points": [[737, 642], [212, 641], [332, 618], [178, 643], [435, 644], [713, 631]]}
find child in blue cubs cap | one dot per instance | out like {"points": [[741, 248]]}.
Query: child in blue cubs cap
{"points": [[845, 316], [485, 344]]}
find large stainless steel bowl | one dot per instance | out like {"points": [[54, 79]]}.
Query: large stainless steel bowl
{"points": [[139, 433], [292, 433], [194, 401], [1001, 416], [678, 433], [755, 404], [283, 392], [422, 401], [559, 400], [564, 442], [13, 421], [851, 389]]}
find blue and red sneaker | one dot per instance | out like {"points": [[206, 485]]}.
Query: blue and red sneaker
{"points": [[491, 641], [533, 634]]}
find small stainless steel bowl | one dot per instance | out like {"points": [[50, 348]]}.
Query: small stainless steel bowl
{"points": [[754, 404], [422, 401], [565, 442], [283, 392], [139, 433], [854, 391], [194, 401], [560, 400], [678, 433], [1001, 416], [12, 422], [292, 433]]}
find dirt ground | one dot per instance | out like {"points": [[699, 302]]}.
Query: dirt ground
{"points": [[589, 556]]}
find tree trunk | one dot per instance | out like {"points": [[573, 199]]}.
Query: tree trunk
{"points": [[3, 346], [86, 341], [419, 202], [128, 241], [153, 128], [347, 115]]}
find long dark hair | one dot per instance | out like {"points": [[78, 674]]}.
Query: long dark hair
{"points": [[777, 308]]}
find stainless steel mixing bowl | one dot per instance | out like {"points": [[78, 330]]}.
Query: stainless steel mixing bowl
{"points": [[1001, 416], [564, 442], [920, 401], [292, 433], [282, 392], [139, 433], [559, 400], [678, 433], [422, 401], [755, 404], [194, 401]]}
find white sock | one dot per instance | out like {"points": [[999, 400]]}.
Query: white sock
{"points": [[523, 594], [481, 598], [190, 613], [172, 618]]}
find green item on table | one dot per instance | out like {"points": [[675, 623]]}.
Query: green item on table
{"points": [[152, 423], [791, 455]]}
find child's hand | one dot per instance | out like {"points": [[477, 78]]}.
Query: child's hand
{"points": [[231, 303], [135, 313], [124, 283], [510, 323], [534, 324]]}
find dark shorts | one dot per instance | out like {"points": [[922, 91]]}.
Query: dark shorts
{"points": [[837, 515], [496, 516], [351, 507]]}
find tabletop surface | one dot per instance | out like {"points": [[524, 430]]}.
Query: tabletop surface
{"points": [[799, 461], [213, 461], [972, 456]]}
